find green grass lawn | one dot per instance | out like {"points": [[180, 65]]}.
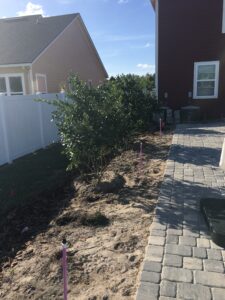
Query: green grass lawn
{"points": [[31, 175]]}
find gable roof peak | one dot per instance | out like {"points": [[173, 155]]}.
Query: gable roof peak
{"points": [[27, 36]]}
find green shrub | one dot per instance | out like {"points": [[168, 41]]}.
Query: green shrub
{"points": [[94, 122], [137, 99]]}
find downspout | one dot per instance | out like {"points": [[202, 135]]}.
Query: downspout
{"points": [[31, 81], [156, 47]]}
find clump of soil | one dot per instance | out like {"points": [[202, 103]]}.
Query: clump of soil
{"points": [[81, 218], [113, 186], [106, 227]]}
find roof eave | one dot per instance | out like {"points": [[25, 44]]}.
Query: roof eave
{"points": [[93, 45], [14, 65], [53, 41]]}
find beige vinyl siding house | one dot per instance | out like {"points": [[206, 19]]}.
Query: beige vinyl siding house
{"points": [[52, 48]]}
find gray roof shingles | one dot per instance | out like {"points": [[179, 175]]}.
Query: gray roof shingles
{"points": [[24, 38]]}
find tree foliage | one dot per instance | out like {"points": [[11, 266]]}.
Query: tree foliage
{"points": [[95, 121]]}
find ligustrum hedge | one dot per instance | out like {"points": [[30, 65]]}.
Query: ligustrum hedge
{"points": [[94, 122]]}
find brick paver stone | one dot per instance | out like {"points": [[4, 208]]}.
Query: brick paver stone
{"points": [[192, 263], [210, 279], [172, 239], [214, 254], [147, 291], [218, 294], [155, 250], [187, 241], [154, 253], [214, 266], [188, 232], [150, 277], [168, 288], [176, 274], [172, 260], [156, 240], [178, 249], [156, 232], [199, 252], [201, 242], [158, 226], [173, 231], [152, 266], [181, 260], [193, 291]]}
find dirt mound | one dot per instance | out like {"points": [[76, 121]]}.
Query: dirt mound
{"points": [[82, 218], [106, 231], [113, 186]]}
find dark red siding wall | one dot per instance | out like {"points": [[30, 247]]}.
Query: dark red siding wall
{"points": [[190, 31]]}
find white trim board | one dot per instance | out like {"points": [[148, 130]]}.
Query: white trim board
{"points": [[16, 65], [31, 81], [216, 91]]}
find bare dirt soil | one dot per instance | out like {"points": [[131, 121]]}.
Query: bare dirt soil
{"points": [[106, 227]]}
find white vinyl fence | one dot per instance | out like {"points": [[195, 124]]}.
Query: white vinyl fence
{"points": [[25, 125]]}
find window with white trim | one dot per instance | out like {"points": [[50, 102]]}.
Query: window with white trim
{"points": [[15, 85], [41, 80], [11, 84], [206, 80], [3, 89], [90, 83]]}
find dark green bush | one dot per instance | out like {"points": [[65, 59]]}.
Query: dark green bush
{"points": [[137, 98], [95, 122]]}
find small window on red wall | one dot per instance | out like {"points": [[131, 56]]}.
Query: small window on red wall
{"points": [[206, 79]]}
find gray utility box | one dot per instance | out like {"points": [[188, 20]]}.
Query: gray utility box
{"points": [[190, 113]]}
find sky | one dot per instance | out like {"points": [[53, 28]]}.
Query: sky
{"points": [[123, 31]]}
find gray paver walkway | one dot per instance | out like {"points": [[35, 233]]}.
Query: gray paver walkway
{"points": [[181, 261]]}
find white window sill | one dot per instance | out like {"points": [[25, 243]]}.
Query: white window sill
{"points": [[205, 97]]}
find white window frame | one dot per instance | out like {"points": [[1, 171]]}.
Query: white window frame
{"points": [[90, 83], [8, 91], [45, 78], [216, 80]]}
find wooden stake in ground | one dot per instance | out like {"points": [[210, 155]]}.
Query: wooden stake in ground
{"points": [[140, 166], [160, 126], [64, 264]]}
